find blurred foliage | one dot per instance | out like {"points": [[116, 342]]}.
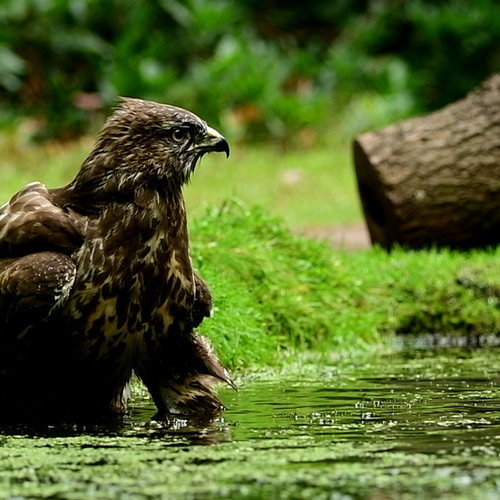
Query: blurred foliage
{"points": [[259, 68]]}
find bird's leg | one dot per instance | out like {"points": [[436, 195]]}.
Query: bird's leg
{"points": [[118, 404]]}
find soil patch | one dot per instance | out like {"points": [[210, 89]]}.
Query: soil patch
{"points": [[345, 236]]}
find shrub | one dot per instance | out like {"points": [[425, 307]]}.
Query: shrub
{"points": [[264, 69]]}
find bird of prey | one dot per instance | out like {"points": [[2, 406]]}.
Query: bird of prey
{"points": [[96, 278]]}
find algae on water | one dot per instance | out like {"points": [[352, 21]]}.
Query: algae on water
{"points": [[416, 424]]}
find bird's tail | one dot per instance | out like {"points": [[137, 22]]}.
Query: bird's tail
{"points": [[206, 355], [182, 379]]}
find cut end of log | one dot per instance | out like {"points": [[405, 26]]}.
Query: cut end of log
{"points": [[434, 181], [375, 205]]}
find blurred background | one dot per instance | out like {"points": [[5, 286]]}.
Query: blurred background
{"points": [[289, 83]]}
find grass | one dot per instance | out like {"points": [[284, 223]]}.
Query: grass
{"points": [[307, 187], [279, 294], [53, 163], [264, 175]]}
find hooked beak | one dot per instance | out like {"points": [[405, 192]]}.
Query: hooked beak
{"points": [[213, 141]]}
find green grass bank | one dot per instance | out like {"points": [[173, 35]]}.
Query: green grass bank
{"points": [[277, 294]]}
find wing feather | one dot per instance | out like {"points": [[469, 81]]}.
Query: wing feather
{"points": [[36, 270], [202, 306], [33, 285], [30, 222]]}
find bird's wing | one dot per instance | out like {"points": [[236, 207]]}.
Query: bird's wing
{"points": [[30, 222], [36, 269], [33, 285]]}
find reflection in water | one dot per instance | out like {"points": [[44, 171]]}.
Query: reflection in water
{"points": [[142, 422], [421, 402], [182, 431], [414, 399]]}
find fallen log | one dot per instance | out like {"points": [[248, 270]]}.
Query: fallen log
{"points": [[435, 180]]}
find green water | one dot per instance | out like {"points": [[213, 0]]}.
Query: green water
{"points": [[420, 425]]}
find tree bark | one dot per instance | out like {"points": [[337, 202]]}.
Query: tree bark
{"points": [[435, 180]]}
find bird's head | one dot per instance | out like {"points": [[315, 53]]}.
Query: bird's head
{"points": [[144, 143]]}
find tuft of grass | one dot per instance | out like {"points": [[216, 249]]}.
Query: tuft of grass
{"points": [[457, 293], [275, 292]]}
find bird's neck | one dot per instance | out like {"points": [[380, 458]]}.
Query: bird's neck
{"points": [[154, 224], [100, 182], [156, 253]]}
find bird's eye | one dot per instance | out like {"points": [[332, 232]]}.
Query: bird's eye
{"points": [[179, 134]]}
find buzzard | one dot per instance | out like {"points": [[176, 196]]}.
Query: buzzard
{"points": [[96, 279]]}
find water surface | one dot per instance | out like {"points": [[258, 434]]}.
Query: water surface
{"points": [[415, 424]]}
